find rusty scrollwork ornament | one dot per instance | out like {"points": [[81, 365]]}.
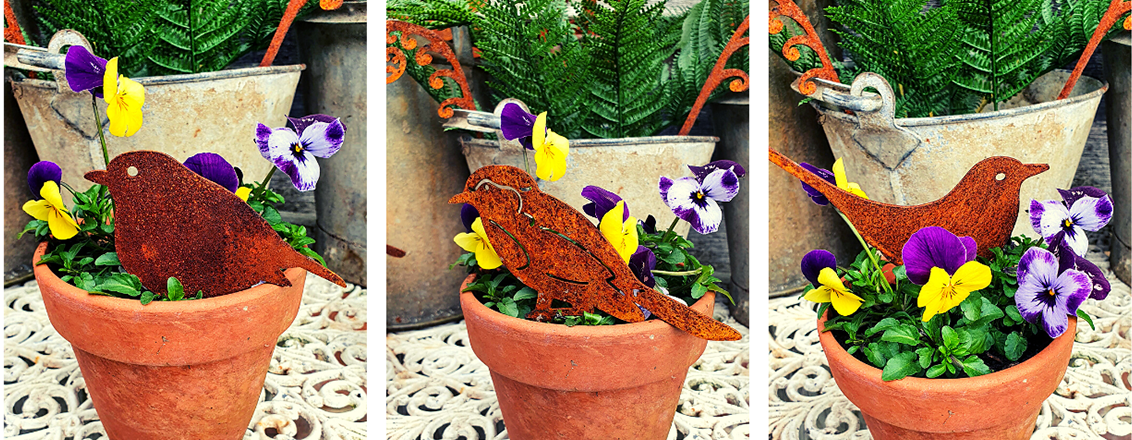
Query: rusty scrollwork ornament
{"points": [[719, 73], [397, 61], [804, 84]]}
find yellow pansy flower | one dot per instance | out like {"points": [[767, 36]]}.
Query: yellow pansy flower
{"points": [[476, 241], [551, 150], [844, 183], [622, 235], [832, 290], [52, 210], [124, 99], [943, 291]]}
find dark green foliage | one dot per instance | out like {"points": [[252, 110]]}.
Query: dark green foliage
{"points": [[609, 72], [162, 37], [955, 56]]}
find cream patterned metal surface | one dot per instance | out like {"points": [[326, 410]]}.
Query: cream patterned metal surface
{"points": [[1092, 402], [315, 387], [437, 388]]}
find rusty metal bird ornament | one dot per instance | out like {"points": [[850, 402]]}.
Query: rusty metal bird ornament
{"points": [[171, 222], [554, 249], [983, 206]]}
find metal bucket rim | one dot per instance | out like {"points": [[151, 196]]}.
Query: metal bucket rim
{"points": [[1101, 85], [190, 77], [614, 142]]}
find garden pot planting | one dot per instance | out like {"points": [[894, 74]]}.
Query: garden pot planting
{"points": [[605, 382], [172, 370], [999, 406]]}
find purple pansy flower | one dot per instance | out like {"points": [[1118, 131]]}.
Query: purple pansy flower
{"points": [[649, 224], [815, 195], [1046, 295], [468, 215], [696, 200], [1084, 209], [816, 260], [42, 172], [83, 70], [934, 246], [515, 123], [213, 167], [642, 263], [294, 153], [1099, 287], [601, 201]]}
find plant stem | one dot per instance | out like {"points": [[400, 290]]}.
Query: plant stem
{"points": [[526, 163], [868, 251], [670, 228], [262, 185], [678, 274], [98, 125]]}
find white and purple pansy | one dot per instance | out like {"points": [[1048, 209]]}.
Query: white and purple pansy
{"points": [[293, 151], [1099, 287], [83, 70], [696, 199], [601, 201], [213, 167], [515, 123], [815, 195], [1084, 209], [1045, 294]]}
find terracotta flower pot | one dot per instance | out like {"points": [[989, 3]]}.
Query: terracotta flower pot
{"points": [[172, 370], [606, 382], [999, 406]]}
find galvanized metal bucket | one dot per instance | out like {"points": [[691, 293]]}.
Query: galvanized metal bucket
{"points": [[629, 167], [1118, 106], [731, 118], [910, 161], [333, 46], [183, 114]]}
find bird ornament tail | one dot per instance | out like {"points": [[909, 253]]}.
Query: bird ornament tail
{"points": [[312, 266], [683, 317]]}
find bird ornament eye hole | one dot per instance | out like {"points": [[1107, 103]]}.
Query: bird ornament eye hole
{"points": [[526, 188], [132, 171], [1000, 177]]}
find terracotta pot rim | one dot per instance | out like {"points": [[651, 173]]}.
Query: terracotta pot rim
{"points": [[830, 346], [123, 306], [539, 330]]}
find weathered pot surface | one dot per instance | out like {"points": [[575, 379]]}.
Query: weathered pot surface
{"points": [[172, 370], [601, 382], [916, 408]]}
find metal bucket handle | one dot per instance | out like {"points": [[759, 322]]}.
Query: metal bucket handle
{"points": [[877, 132], [485, 122], [38, 59]]}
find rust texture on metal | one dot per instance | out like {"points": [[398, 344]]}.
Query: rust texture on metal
{"points": [[171, 222], [292, 11], [394, 252], [983, 206], [12, 33], [557, 251], [1115, 9], [718, 74], [437, 44], [804, 83]]}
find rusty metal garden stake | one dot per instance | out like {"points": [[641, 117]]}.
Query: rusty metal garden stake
{"points": [[396, 56], [1108, 20], [804, 83], [718, 74]]}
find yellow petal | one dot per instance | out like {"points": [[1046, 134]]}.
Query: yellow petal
{"points": [[131, 92], [845, 303], [933, 289], [110, 79], [243, 192], [538, 133], [828, 277], [62, 226], [856, 190], [477, 227], [930, 310], [38, 209], [819, 295], [611, 229], [124, 109], [970, 277], [550, 162], [631, 239], [467, 241], [50, 194], [487, 258], [839, 174]]}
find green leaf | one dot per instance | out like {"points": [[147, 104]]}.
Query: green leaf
{"points": [[900, 366], [125, 284], [507, 307], [526, 293], [1012, 313], [974, 366], [1015, 346], [935, 371], [906, 334], [147, 297], [972, 306], [108, 259], [950, 338], [698, 290], [925, 356], [174, 290], [881, 326], [1089, 319]]}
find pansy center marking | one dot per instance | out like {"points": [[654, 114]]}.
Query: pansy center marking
{"points": [[1068, 224], [297, 148]]}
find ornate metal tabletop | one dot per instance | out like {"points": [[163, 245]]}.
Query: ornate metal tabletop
{"points": [[315, 388], [437, 388], [1092, 402]]}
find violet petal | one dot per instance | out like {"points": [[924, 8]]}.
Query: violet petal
{"points": [[1091, 213], [721, 185], [702, 172], [263, 135], [42, 172], [515, 123], [971, 247], [468, 215], [323, 139], [649, 224], [816, 260], [642, 262], [213, 167], [815, 195], [1070, 196], [302, 169], [931, 247], [83, 70], [300, 124], [1072, 288], [601, 201]]}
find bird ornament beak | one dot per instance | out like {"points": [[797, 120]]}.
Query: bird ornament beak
{"points": [[463, 197], [101, 177]]}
